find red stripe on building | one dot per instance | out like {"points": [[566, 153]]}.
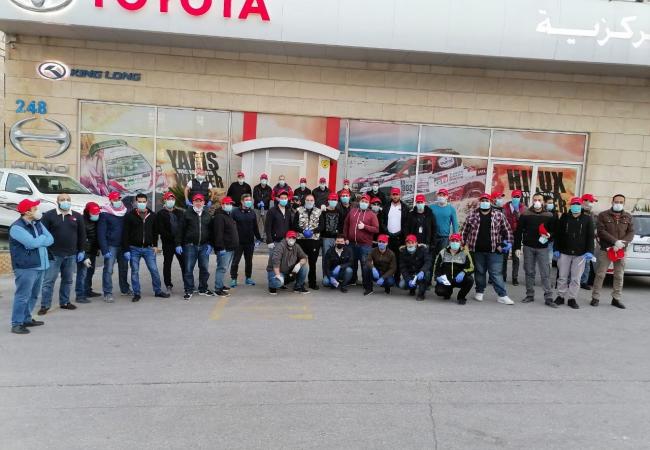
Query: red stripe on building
{"points": [[250, 126], [332, 139]]}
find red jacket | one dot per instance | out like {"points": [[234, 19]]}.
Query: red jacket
{"points": [[513, 217], [351, 226]]}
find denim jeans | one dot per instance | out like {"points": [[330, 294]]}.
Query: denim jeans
{"points": [[64, 265], [84, 282], [300, 277], [28, 287], [123, 269], [192, 254], [368, 280], [149, 256], [485, 262], [327, 244], [224, 261], [343, 278], [360, 253]]}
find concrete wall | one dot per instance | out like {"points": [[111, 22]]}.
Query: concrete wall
{"points": [[614, 110]]}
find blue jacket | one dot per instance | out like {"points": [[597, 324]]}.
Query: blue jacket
{"points": [[109, 231], [28, 244]]}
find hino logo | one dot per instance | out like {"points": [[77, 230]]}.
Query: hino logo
{"points": [[42, 5], [61, 137]]}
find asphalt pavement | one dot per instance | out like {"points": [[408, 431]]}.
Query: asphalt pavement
{"points": [[327, 370]]}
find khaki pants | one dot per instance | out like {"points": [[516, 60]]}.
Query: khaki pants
{"points": [[601, 270]]}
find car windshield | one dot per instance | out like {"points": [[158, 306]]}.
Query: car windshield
{"points": [[395, 166], [51, 184], [641, 225], [127, 166]]}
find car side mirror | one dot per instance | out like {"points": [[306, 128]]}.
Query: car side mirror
{"points": [[23, 190]]}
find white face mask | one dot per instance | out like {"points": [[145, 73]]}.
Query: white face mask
{"points": [[240, 180], [309, 205], [618, 207], [537, 205], [291, 242], [197, 209], [263, 182], [282, 182], [200, 178], [303, 185], [323, 186], [37, 215], [442, 200]]}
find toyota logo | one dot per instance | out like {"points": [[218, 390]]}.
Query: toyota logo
{"points": [[41, 5], [17, 136], [53, 70]]}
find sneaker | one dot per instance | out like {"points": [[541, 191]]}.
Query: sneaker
{"points": [[412, 292], [343, 289], [273, 291], [462, 301], [222, 294], [68, 306], [34, 323], [136, 298], [19, 329], [559, 300], [162, 295], [550, 303], [515, 282], [170, 289], [109, 298], [368, 292], [618, 304], [127, 294], [594, 302], [505, 300], [207, 293], [528, 300], [233, 283], [387, 290], [572, 304], [187, 296], [225, 288], [478, 296], [301, 290], [93, 294], [83, 300], [43, 311], [283, 288], [314, 287], [249, 282]]}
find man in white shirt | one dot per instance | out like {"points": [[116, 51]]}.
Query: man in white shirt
{"points": [[393, 223]]}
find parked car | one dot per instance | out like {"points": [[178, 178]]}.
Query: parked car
{"points": [[18, 184], [637, 255]]}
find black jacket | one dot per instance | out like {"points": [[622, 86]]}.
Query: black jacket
{"points": [[67, 230], [380, 195], [194, 229], [383, 225], [91, 245], [247, 229], [423, 225], [139, 231], [224, 231], [262, 194], [236, 190], [301, 194], [320, 196], [331, 223], [451, 265], [332, 259], [574, 235], [199, 188], [277, 224], [527, 232], [412, 263], [343, 211], [168, 224]]}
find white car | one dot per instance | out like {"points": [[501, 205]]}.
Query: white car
{"points": [[18, 184], [637, 255]]}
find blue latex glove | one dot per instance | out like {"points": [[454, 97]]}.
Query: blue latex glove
{"points": [[179, 250], [412, 284], [188, 203], [108, 255], [440, 279], [221, 252], [260, 205], [588, 256], [308, 234], [80, 256], [375, 273], [460, 277], [257, 243], [336, 271], [507, 246], [334, 282], [380, 282], [420, 276], [208, 249], [209, 205], [556, 255], [127, 256]]}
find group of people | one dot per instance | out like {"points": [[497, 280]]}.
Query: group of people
{"points": [[379, 237]]}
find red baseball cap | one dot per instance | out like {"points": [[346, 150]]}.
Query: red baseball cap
{"points": [[291, 234], [455, 237], [485, 195], [26, 205], [226, 201], [283, 193], [322, 180], [382, 238], [333, 196], [420, 198], [345, 192], [375, 200], [346, 181], [264, 177], [167, 195], [615, 255], [575, 201], [365, 197], [198, 197], [516, 193], [240, 174], [114, 196], [589, 198], [93, 208], [411, 238], [497, 194], [303, 180], [443, 191], [395, 190]]}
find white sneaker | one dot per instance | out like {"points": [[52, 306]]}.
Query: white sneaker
{"points": [[505, 300], [478, 296]]}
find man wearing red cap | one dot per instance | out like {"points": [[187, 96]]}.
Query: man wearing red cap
{"points": [[615, 230], [588, 201], [249, 238], [446, 219], [86, 268], [346, 187], [533, 234], [415, 266], [109, 235], [332, 224], [238, 188], [28, 242], [279, 220], [498, 200], [487, 235], [167, 224], [287, 263], [321, 193], [453, 268], [344, 203], [302, 191], [307, 223], [574, 244], [380, 267], [262, 196], [198, 185], [513, 210], [282, 186], [395, 223], [194, 242], [359, 227], [225, 236]]}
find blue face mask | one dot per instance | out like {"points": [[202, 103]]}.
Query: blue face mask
{"points": [[64, 205], [227, 208], [332, 203], [381, 246], [420, 207], [283, 202], [499, 202], [411, 249], [576, 209], [169, 204], [455, 246], [484, 205], [117, 204], [248, 203], [515, 202], [345, 200], [142, 206], [363, 206], [550, 207], [94, 218]]}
